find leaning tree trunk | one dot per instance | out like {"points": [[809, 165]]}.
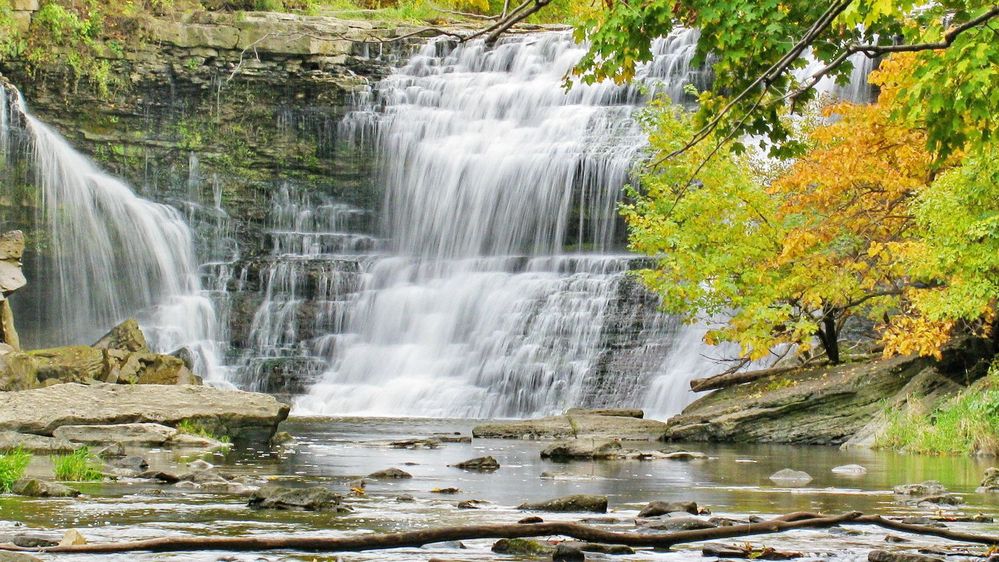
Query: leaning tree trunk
{"points": [[829, 336]]}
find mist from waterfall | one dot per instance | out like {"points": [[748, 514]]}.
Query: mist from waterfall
{"points": [[105, 254]]}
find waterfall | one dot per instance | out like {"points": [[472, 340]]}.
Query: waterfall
{"points": [[102, 254], [505, 289]]}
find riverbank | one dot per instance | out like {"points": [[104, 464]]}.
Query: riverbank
{"points": [[731, 481]]}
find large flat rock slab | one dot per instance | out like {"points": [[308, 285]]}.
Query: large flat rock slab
{"points": [[243, 416], [818, 406], [573, 425]]}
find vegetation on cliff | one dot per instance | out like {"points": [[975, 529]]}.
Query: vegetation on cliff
{"points": [[889, 211]]}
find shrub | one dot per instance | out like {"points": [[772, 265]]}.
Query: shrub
{"points": [[78, 466], [12, 466]]}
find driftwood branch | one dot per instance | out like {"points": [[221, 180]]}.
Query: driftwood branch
{"points": [[419, 538], [726, 380]]}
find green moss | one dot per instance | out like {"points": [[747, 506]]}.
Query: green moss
{"points": [[12, 467], [78, 466], [965, 424]]}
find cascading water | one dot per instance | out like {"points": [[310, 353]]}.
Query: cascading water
{"points": [[106, 254], [503, 296]]}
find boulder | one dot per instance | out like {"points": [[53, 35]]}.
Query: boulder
{"points": [[390, 473], [990, 483], [481, 464], [657, 508], [73, 363], [37, 444], [789, 477], [568, 553], [574, 426], [29, 539], [72, 537], [36, 488], [244, 416], [126, 336], [612, 549], [584, 449], [155, 368], [578, 502], [522, 547], [315, 498], [129, 434], [685, 456]]}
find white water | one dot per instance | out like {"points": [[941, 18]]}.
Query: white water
{"points": [[491, 171], [110, 254]]}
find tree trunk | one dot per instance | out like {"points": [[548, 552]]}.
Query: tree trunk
{"points": [[829, 336]]}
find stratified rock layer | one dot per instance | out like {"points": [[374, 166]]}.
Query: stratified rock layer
{"points": [[244, 416]]}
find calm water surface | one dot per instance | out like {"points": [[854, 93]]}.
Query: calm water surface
{"points": [[332, 452]]}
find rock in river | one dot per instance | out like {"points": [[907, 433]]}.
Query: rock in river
{"points": [[586, 424], [244, 416], [481, 464], [315, 498], [990, 483], [789, 477], [579, 502], [928, 488], [389, 473], [657, 508], [36, 488], [584, 449]]}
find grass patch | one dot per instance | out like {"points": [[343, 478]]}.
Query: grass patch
{"points": [[12, 467], [966, 424], [191, 427], [78, 466]]}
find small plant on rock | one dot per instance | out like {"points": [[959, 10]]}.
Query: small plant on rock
{"points": [[78, 466], [12, 467], [191, 427]]}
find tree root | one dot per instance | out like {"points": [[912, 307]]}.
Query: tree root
{"points": [[797, 520]]}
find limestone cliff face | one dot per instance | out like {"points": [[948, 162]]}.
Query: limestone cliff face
{"points": [[218, 114]]}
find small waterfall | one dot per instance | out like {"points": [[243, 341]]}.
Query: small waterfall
{"points": [[103, 254], [506, 292]]}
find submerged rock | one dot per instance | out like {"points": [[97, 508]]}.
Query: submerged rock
{"points": [[850, 469], [789, 477], [657, 508], [315, 498], [534, 519], [390, 473], [928, 488], [36, 488], [32, 539], [619, 412], [578, 502], [415, 444], [481, 464], [245, 416], [584, 425], [8, 556], [613, 549], [684, 523], [685, 456]]}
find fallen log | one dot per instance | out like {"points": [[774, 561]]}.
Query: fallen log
{"points": [[443, 534], [880, 521], [726, 380]]}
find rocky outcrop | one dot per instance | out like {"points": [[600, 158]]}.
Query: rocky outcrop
{"points": [[586, 425], [821, 406], [11, 279], [121, 356], [243, 416]]}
